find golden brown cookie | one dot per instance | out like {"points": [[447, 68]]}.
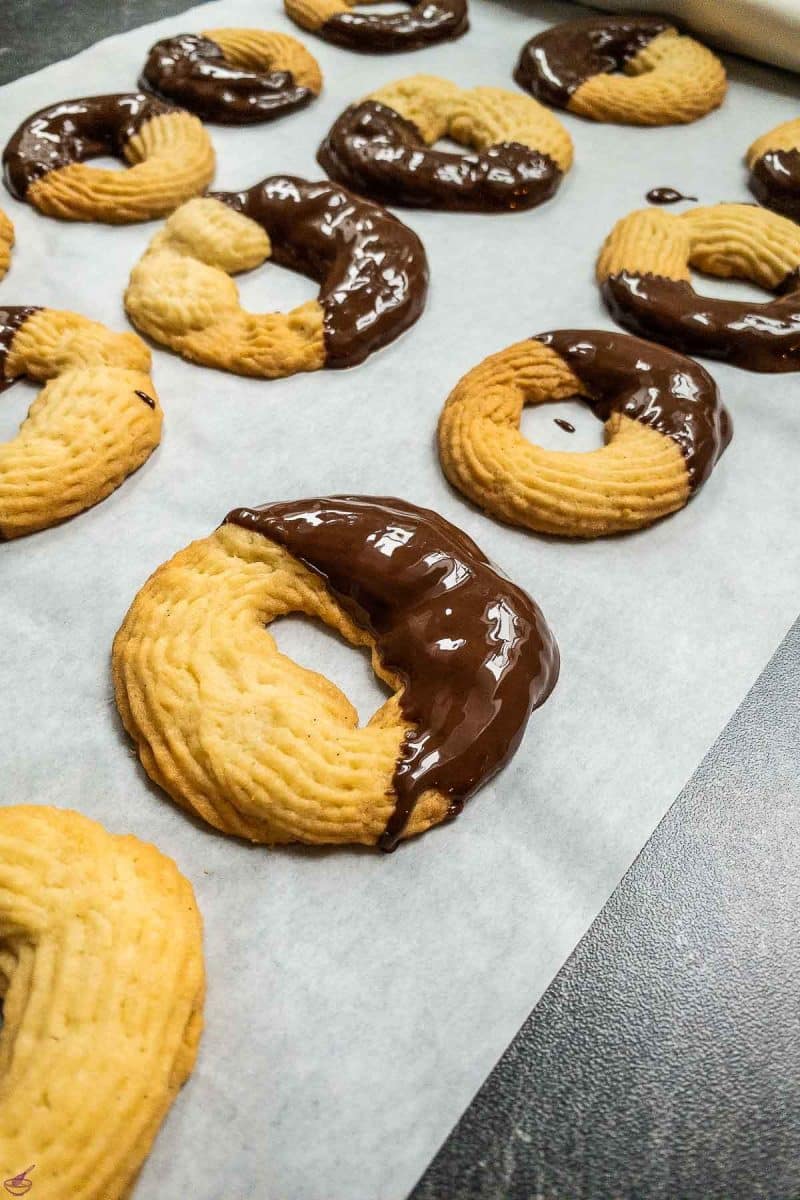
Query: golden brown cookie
{"points": [[94, 422], [168, 151], [102, 979], [423, 23], [372, 270], [6, 242], [265, 749], [665, 429], [644, 274], [236, 76], [665, 78], [518, 151], [774, 162]]}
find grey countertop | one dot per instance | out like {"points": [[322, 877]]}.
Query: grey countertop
{"points": [[663, 1060]]}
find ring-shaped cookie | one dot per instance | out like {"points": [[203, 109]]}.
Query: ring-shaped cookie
{"points": [[667, 79], [665, 429], [774, 163], [518, 150], [265, 749], [102, 979], [6, 242], [167, 150], [643, 270], [234, 76], [424, 23], [94, 422], [372, 270]]}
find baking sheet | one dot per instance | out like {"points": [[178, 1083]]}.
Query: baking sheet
{"points": [[357, 1001]]}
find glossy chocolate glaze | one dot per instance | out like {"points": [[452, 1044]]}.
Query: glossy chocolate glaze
{"points": [[381, 33], [775, 181], [555, 63], [374, 150], [191, 71], [148, 400], [74, 131], [666, 195], [472, 649], [651, 384], [761, 337], [567, 426], [10, 321], [372, 268]]}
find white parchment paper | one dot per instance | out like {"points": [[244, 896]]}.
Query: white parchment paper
{"points": [[356, 1001]]}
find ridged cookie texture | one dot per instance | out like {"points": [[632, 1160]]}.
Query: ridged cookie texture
{"points": [[6, 243], [167, 150], [774, 162], [516, 150], [102, 978], [95, 421], [372, 270], [644, 273], [656, 453], [265, 749]]}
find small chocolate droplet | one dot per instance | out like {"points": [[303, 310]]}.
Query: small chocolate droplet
{"points": [[565, 425], [149, 401], [666, 195]]}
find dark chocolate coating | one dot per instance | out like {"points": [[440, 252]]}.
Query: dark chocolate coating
{"points": [[658, 387], [374, 150], [555, 63], [666, 195], [775, 181], [567, 426], [423, 24], [372, 268], [760, 337], [473, 650], [191, 71], [74, 131], [10, 321]]}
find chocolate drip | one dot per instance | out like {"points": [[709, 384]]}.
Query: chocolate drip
{"points": [[74, 131], [567, 426], [148, 400], [775, 181], [10, 321], [373, 149], [192, 71], [760, 337], [381, 33], [666, 195], [653, 385], [472, 649], [555, 63], [372, 268]]}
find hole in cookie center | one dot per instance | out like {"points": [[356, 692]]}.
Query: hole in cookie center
{"points": [[106, 162], [14, 404], [270, 288], [717, 288], [382, 8], [539, 425], [311, 644]]}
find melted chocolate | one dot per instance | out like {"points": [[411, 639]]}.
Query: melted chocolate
{"points": [[373, 149], [380, 33], [74, 131], [666, 195], [651, 384], [775, 181], [555, 63], [372, 268], [472, 649], [149, 401], [191, 70], [10, 321], [567, 426], [761, 337]]}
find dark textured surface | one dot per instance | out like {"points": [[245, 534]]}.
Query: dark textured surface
{"points": [[663, 1062]]}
